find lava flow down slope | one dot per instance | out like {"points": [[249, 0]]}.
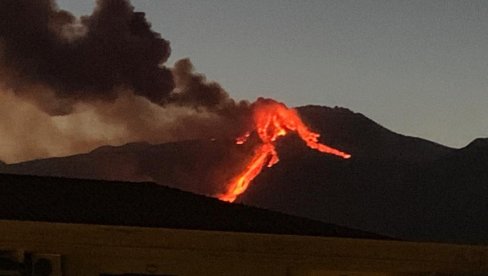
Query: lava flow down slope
{"points": [[271, 120]]}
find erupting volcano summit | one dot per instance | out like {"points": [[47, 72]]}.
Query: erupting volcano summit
{"points": [[271, 120]]}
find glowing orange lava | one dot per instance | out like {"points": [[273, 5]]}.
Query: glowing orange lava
{"points": [[271, 121]]}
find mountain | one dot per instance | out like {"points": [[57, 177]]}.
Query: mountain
{"points": [[395, 185], [365, 138], [445, 200]]}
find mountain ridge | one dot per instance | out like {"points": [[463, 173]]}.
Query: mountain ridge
{"points": [[395, 185]]}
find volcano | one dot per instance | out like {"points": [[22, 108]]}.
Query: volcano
{"points": [[395, 185]]}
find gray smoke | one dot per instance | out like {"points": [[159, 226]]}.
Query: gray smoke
{"points": [[73, 84], [83, 59]]}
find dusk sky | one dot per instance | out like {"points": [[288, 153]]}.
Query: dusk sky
{"points": [[419, 68]]}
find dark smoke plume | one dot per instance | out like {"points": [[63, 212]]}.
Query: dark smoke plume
{"points": [[82, 59], [193, 89], [69, 84]]}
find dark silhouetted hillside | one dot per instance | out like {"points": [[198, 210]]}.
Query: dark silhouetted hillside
{"points": [[65, 200]]}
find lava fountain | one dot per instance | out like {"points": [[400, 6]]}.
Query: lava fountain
{"points": [[271, 120]]}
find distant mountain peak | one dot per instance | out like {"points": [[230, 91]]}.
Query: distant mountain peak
{"points": [[330, 110], [338, 114], [335, 108], [363, 137], [479, 143], [125, 147]]}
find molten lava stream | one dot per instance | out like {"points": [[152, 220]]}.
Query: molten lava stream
{"points": [[263, 154], [271, 121]]}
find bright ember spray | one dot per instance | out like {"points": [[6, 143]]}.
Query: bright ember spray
{"points": [[271, 120]]}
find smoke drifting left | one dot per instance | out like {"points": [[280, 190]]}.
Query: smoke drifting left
{"points": [[70, 84]]}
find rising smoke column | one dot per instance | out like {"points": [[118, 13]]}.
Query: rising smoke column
{"points": [[82, 59], [99, 79]]}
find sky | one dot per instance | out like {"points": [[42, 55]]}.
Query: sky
{"points": [[418, 68]]}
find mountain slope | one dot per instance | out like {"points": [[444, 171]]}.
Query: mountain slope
{"points": [[365, 138], [204, 166], [197, 166], [396, 185], [417, 202]]}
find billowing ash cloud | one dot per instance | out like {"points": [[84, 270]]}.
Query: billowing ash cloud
{"points": [[83, 59], [70, 84]]}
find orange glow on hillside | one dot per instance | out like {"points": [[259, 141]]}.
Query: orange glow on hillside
{"points": [[271, 120]]}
